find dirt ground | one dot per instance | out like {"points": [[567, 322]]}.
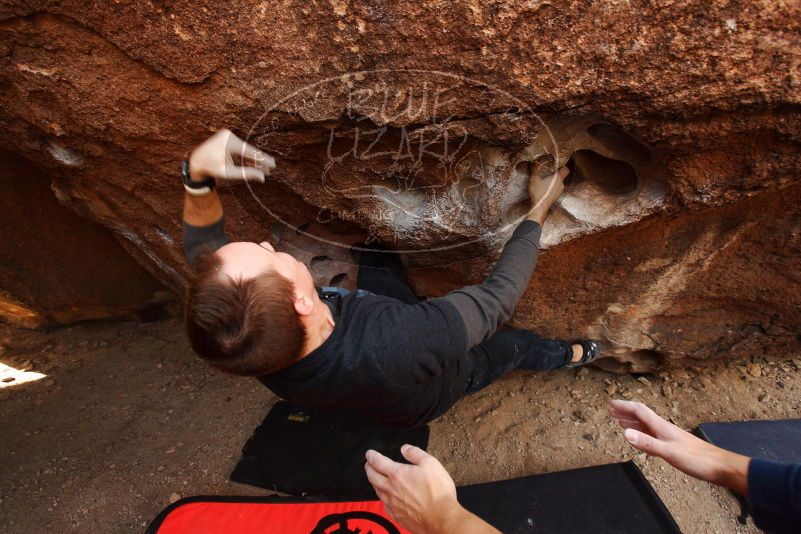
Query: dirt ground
{"points": [[127, 419]]}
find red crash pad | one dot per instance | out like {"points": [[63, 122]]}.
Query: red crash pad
{"points": [[244, 515]]}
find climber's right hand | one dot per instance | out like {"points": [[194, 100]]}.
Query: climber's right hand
{"points": [[544, 188], [215, 158]]}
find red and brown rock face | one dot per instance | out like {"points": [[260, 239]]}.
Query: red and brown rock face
{"points": [[412, 123]]}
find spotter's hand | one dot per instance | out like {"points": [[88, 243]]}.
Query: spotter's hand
{"points": [[215, 158], [417, 495], [653, 435]]}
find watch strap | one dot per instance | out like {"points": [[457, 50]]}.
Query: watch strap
{"points": [[195, 188]]}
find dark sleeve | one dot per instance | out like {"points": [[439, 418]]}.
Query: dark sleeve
{"points": [[774, 490], [486, 306], [197, 238]]}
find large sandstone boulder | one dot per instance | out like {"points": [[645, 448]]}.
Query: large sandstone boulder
{"points": [[678, 237]]}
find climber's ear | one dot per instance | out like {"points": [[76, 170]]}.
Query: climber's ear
{"points": [[303, 305]]}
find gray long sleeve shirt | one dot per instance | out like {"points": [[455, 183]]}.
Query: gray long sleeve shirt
{"points": [[403, 364]]}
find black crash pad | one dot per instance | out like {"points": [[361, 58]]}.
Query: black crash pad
{"points": [[306, 451], [612, 498], [778, 441]]}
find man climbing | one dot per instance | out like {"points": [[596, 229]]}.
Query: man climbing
{"points": [[253, 311]]}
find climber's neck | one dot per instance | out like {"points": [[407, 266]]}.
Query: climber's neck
{"points": [[318, 324]]}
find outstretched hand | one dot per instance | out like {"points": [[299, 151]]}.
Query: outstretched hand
{"points": [[215, 158], [653, 435], [544, 188]]}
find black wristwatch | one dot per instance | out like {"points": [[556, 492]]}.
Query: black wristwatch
{"points": [[196, 188]]}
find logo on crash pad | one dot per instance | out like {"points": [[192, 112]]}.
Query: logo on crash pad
{"points": [[357, 522]]}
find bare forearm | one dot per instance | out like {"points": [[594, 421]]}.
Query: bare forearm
{"points": [[457, 519], [202, 210], [731, 471]]}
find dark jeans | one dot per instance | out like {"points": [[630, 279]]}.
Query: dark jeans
{"points": [[382, 273]]}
